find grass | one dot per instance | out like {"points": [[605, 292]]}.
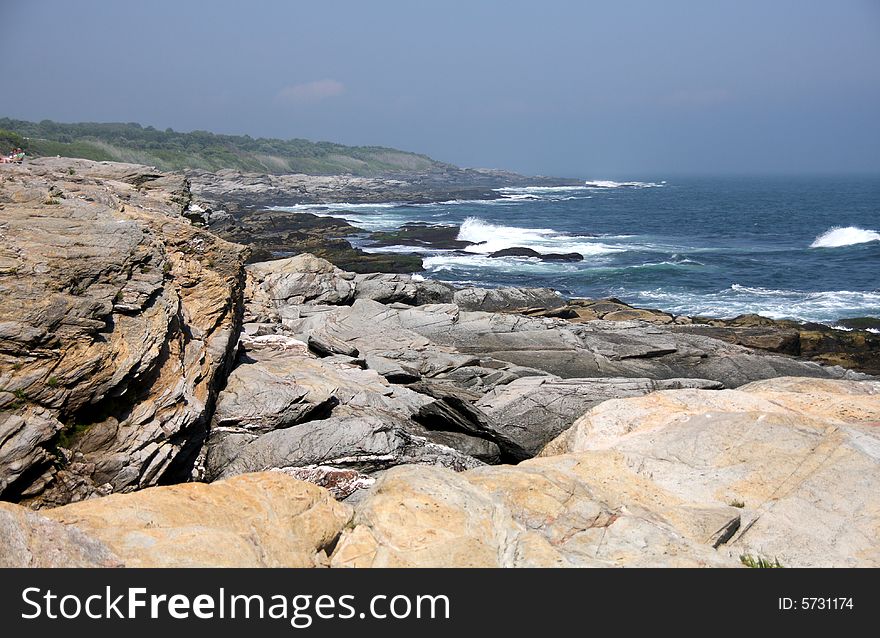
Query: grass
{"points": [[20, 399], [70, 434], [737, 503], [759, 562]]}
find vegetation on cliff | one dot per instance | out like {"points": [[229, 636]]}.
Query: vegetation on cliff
{"points": [[172, 150]]}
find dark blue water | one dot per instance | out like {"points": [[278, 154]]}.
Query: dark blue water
{"points": [[715, 246]]}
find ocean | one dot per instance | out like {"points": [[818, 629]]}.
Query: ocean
{"points": [[804, 248]]}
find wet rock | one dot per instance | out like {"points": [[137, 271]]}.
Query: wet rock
{"points": [[519, 251]]}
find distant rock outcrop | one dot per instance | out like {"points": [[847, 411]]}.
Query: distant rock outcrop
{"points": [[518, 251]]}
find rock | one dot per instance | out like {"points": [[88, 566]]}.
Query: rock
{"points": [[531, 515], [278, 383], [580, 310], [799, 455], [597, 348], [304, 278], [518, 251], [423, 235], [117, 317], [25, 444], [498, 299], [389, 289], [273, 234], [341, 483], [325, 346], [452, 414], [33, 540], [770, 339], [259, 520], [857, 348], [532, 411], [365, 442]]}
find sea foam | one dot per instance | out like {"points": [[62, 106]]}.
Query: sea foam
{"points": [[489, 238], [848, 236], [607, 183]]}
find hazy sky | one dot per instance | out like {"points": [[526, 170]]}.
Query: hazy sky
{"points": [[586, 89]]}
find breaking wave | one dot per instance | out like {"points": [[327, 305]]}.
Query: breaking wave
{"points": [[488, 238], [845, 236]]}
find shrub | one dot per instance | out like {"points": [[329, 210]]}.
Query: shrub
{"points": [[760, 562]]}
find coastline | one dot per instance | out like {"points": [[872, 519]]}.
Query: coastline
{"points": [[150, 365]]}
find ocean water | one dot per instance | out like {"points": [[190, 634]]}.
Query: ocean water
{"points": [[804, 248]]}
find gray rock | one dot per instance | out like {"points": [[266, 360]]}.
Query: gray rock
{"points": [[390, 288], [365, 443], [534, 410], [496, 299]]}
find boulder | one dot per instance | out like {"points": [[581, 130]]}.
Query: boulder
{"points": [[259, 520], [505, 299]]}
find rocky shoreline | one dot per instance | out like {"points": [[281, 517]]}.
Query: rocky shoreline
{"points": [[164, 393]]}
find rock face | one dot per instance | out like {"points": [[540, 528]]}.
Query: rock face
{"points": [[782, 469], [537, 514], [117, 321], [360, 373], [799, 457], [259, 520]]}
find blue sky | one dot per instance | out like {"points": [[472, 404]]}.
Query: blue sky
{"points": [[630, 88]]}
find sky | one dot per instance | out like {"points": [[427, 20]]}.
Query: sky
{"points": [[579, 89]]}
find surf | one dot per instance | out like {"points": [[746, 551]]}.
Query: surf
{"points": [[838, 237]]}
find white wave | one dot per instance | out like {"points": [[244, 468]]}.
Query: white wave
{"points": [[538, 189], [397, 249], [489, 238], [844, 236], [873, 330], [607, 183], [823, 306], [474, 262], [335, 206]]}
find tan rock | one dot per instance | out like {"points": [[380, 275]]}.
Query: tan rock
{"points": [[540, 513], [117, 314], [419, 516], [254, 520], [800, 457], [32, 540]]}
